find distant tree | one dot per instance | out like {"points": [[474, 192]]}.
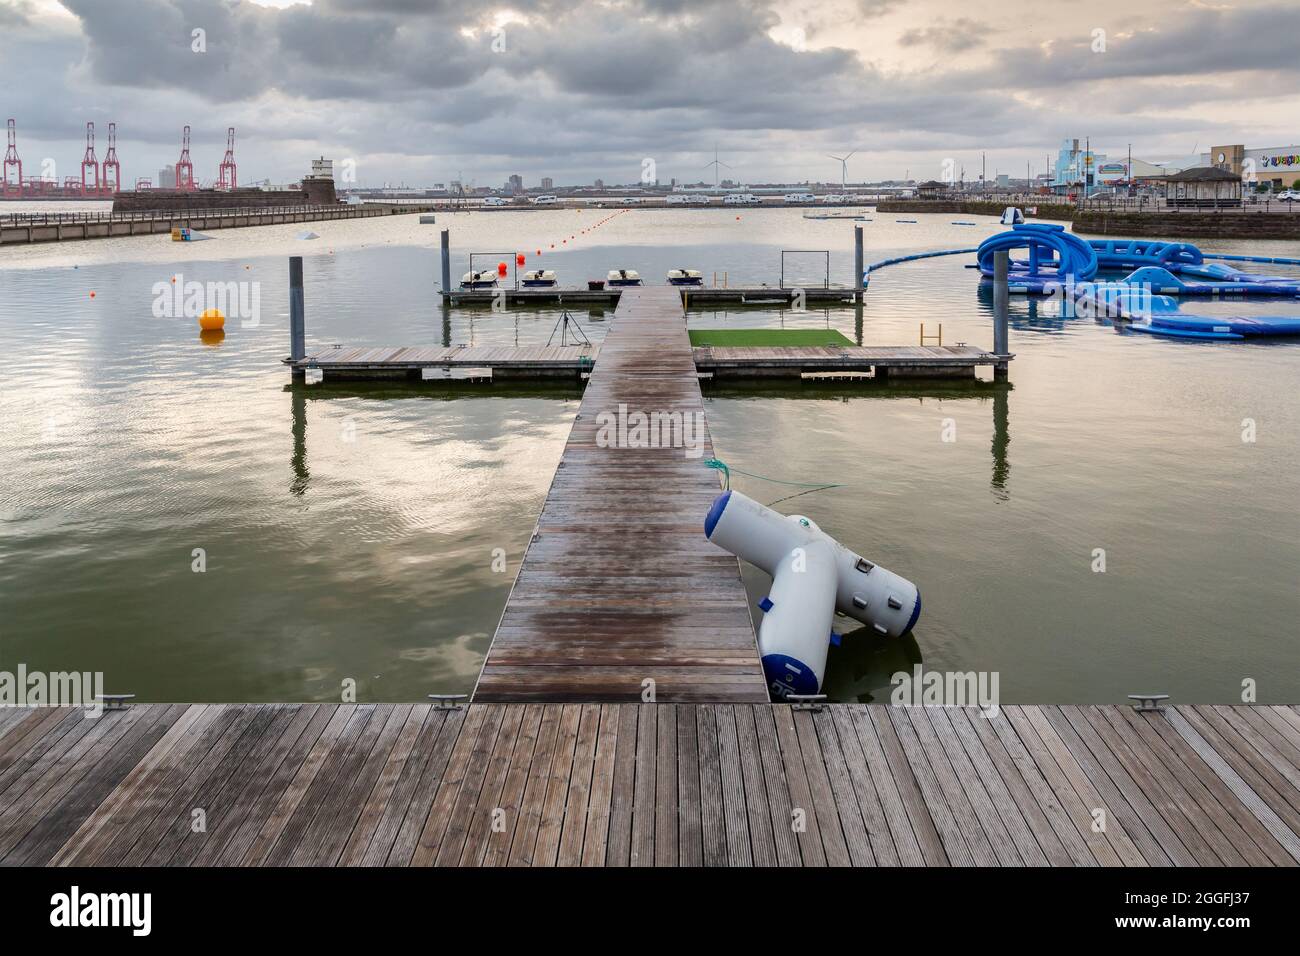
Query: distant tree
{"points": [[1296, 184]]}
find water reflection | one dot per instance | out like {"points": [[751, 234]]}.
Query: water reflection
{"points": [[860, 667]]}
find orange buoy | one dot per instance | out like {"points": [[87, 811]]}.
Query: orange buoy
{"points": [[501, 269], [212, 320], [519, 259]]}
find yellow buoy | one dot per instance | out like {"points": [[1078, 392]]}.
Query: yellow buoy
{"points": [[212, 320]]}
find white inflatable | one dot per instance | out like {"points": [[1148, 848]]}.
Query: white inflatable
{"points": [[1011, 216], [813, 576]]}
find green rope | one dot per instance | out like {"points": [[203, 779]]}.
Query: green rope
{"points": [[720, 465]]}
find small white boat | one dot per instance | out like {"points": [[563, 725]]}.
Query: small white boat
{"points": [[685, 277], [479, 280], [538, 279], [622, 277]]}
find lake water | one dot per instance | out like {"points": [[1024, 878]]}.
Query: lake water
{"points": [[349, 532]]}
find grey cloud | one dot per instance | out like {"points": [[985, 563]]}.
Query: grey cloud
{"points": [[953, 36]]}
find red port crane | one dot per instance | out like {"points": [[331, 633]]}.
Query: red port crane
{"points": [[12, 161], [113, 183], [185, 168], [91, 163], [226, 173]]}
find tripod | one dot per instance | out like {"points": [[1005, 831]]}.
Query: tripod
{"points": [[562, 326]]}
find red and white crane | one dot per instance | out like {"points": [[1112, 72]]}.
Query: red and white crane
{"points": [[227, 173], [185, 168], [111, 183], [90, 163], [13, 188]]}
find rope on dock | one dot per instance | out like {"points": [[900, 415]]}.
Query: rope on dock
{"points": [[809, 487]]}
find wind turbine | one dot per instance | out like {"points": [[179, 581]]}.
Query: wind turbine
{"points": [[716, 166], [844, 167]]}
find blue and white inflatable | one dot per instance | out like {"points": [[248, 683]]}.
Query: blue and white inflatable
{"points": [[813, 577]]}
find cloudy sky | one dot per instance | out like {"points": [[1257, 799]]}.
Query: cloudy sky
{"points": [[417, 91]]}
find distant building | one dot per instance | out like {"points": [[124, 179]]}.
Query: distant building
{"points": [[547, 184], [1203, 186], [166, 178], [515, 184], [600, 184], [322, 168], [931, 190], [1278, 166], [1004, 180]]}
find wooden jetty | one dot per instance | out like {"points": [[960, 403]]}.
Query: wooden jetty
{"points": [[340, 363], [649, 785], [65, 227], [698, 296], [618, 586]]}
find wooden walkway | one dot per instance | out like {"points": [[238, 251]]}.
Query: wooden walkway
{"points": [[885, 361], [646, 784], [618, 585], [392, 361]]}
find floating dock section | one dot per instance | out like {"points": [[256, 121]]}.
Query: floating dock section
{"points": [[649, 785], [619, 596]]}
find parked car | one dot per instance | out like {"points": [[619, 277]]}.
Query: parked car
{"points": [[800, 197], [496, 201], [741, 199], [1288, 195], [545, 200]]}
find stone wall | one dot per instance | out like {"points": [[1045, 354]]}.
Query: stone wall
{"points": [[171, 200], [1191, 225]]}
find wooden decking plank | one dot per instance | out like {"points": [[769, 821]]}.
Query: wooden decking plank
{"points": [[1059, 765], [376, 805], [618, 850], [500, 835], [778, 789], [1007, 829], [31, 739], [1267, 744], [991, 759], [713, 827], [596, 839], [1246, 783], [910, 824], [580, 783], [762, 840], [1215, 825], [104, 771], [277, 785], [666, 824], [852, 820], [690, 834], [1141, 771], [929, 789], [550, 829], [174, 822], [524, 839], [858, 777], [1064, 808], [259, 848], [451, 841], [459, 725], [300, 838], [734, 812], [989, 815], [643, 794], [828, 818], [357, 780], [220, 818], [481, 819]]}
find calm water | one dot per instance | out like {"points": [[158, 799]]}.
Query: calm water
{"points": [[348, 533]]}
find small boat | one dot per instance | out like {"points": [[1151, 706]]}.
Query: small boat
{"points": [[428, 219], [623, 277], [685, 277], [538, 279], [479, 280]]}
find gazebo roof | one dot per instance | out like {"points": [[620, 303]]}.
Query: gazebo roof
{"points": [[1203, 174]]}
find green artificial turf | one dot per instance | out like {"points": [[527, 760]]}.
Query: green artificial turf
{"points": [[742, 338]]}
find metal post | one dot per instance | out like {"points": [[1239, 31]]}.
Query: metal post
{"points": [[297, 315], [446, 261], [857, 264], [1001, 311]]}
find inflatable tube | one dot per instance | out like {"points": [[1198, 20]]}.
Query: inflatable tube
{"points": [[1135, 253], [1225, 281], [1152, 329], [1054, 254], [806, 565]]}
